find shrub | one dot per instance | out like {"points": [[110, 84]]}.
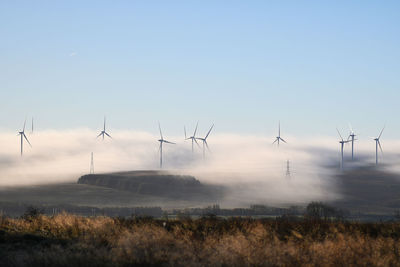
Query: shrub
{"points": [[32, 212]]}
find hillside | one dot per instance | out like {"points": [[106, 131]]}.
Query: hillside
{"points": [[369, 190], [155, 183]]}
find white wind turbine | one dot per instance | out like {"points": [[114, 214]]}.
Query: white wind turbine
{"points": [[162, 140], [279, 138], [204, 140], [22, 134], [102, 133], [351, 138], [378, 143], [342, 142], [193, 137], [32, 126]]}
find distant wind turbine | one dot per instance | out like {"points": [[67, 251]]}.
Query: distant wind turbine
{"points": [[351, 138], [102, 133], [193, 137], [22, 134], [32, 126], [279, 138], [342, 142], [378, 143], [162, 140], [204, 140]]}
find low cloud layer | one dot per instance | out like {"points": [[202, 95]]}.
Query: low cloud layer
{"points": [[253, 169]]}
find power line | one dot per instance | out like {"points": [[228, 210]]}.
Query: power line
{"points": [[287, 169], [91, 165]]}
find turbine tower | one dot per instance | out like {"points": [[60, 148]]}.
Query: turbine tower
{"points": [[102, 133], [342, 142], [193, 137], [378, 143], [279, 138], [22, 134], [205, 142], [162, 140], [352, 139]]}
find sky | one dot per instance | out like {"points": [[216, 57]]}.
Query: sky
{"points": [[243, 65]]}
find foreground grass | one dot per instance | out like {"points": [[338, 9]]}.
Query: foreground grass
{"points": [[68, 240]]}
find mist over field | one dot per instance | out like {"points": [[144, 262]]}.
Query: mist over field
{"points": [[249, 165]]}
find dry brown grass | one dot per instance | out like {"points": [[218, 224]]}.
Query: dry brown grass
{"points": [[68, 240]]}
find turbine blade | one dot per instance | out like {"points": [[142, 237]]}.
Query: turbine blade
{"points": [[275, 141], [351, 128], [195, 130], [381, 132], [104, 125], [184, 129], [168, 142], [279, 131], [379, 143], [208, 148], [99, 134], [108, 135], [159, 127], [283, 140], [24, 126], [195, 139], [209, 131], [27, 140], [339, 134]]}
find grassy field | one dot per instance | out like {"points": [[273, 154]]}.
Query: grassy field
{"points": [[68, 240], [88, 195]]}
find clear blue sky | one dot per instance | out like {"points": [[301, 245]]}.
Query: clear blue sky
{"points": [[244, 65]]}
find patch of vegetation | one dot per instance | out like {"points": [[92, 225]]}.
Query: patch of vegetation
{"points": [[70, 240]]}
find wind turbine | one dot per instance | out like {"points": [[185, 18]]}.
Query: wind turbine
{"points": [[193, 137], [205, 142], [378, 143], [162, 140], [279, 138], [104, 130], [352, 139], [32, 126], [342, 142], [22, 134]]}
